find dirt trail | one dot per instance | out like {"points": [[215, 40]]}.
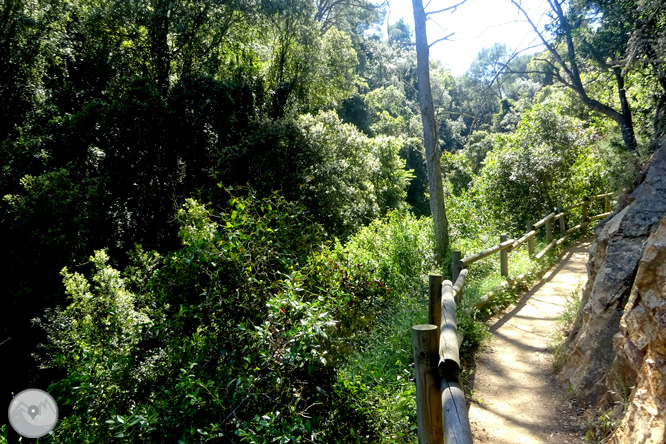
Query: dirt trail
{"points": [[515, 398]]}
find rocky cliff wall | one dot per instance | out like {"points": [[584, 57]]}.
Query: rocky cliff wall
{"points": [[617, 347]]}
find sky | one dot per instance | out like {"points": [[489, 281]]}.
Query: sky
{"points": [[477, 24]]}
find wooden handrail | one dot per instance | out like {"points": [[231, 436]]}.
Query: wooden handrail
{"points": [[545, 250], [522, 240], [449, 355], [571, 207], [436, 345], [600, 216], [485, 253], [460, 282], [544, 220], [457, 429], [577, 227]]}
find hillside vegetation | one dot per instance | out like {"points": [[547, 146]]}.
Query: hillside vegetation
{"points": [[215, 213]]}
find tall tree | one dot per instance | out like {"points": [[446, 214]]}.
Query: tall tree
{"points": [[488, 66], [646, 45], [430, 139], [565, 64]]}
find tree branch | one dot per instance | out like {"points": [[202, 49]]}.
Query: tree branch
{"points": [[450, 8], [439, 40], [548, 46]]}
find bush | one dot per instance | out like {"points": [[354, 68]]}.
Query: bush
{"points": [[358, 178], [399, 249], [234, 337], [546, 162]]}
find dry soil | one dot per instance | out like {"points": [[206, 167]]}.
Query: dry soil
{"points": [[515, 398]]}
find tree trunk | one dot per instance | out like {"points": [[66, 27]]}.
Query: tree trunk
{"points": [[626, 124], [572, 72], [430, 139]]}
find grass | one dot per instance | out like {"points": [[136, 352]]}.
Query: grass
{"points": [[380, 368], [599, 427]]}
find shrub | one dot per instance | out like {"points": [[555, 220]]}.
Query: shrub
{"points": [[233, 337], [545, 163], [358, 179]]}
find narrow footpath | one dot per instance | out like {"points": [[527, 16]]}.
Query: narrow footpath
{"points": [[515, 398]]}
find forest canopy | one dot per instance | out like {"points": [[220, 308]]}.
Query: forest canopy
{"points": [[193, 195]]}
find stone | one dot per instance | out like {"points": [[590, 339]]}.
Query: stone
{"points": [[644, 321], [596, 358]]}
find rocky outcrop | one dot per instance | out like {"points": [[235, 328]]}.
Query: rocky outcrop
{"points": [[641, 348], [614, 258], [616, 347]]}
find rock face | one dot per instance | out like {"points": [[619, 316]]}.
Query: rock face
{"points": [[641, 345], [614, 259], [617, 348]]}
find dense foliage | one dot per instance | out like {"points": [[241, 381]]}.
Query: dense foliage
{"points": [[199, 345], [215, 208]]}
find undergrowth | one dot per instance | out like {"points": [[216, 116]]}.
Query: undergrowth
{"points": [[377, 376]]}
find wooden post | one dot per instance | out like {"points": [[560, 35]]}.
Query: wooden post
{"points": [[456, 266], [607, 207], [549, 230], [434, 298], [530, 241], [504, 256], [563, 225], [585, 219], [428, 388]]}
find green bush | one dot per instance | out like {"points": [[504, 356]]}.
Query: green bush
{"points": [[399, 249], [358, 178], [234, 337], [547, 162]]}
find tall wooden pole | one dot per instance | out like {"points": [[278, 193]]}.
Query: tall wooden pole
{"points": [[428, 389], [430, 139], [456, 266], [504, 257], [563, 226], [434, 298], [549, 230]]}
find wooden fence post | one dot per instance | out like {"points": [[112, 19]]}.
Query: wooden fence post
{"points": [[456, 266], [585, 219], [504, 256], [428, 388], [549, 231], [530, 241], [563, 225], [607, 207], [434, 298]]}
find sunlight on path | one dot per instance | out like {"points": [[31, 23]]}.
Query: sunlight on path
{"points": [[515, 396]]}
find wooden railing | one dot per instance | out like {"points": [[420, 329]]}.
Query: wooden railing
{"points": [[441, 410]]}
